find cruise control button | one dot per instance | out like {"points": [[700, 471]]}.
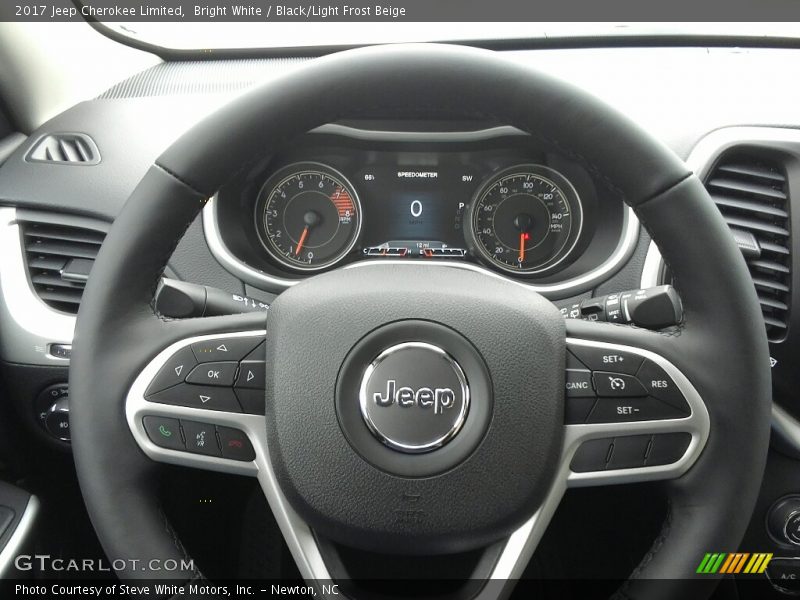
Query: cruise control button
{"points": [[592, 456], [629, 452], [667, 448], [577, 409], [173, 372], [252, 374], [627, 410], [579, 383], [201, 438], [164, 432], [235, 444], [600, 359], [199, 396], [213, 373], [660, 385], [224, 349], [617, 385]]}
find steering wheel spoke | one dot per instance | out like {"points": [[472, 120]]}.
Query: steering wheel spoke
{"points": [[200, 401], [630, 413]]}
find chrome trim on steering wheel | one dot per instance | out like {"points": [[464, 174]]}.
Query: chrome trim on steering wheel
{"points": [[697, 424], [298, 536], [517, 549]]}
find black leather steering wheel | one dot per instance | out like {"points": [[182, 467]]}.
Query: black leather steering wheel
{"points": [[504, 473]]}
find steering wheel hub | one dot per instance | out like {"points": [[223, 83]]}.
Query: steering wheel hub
{"points": [[405, 398], [414, 397]]}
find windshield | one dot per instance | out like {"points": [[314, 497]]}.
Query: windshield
{"points": [[218, 35]]}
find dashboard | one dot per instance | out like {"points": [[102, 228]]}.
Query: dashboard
{"points": [[484, 196]]}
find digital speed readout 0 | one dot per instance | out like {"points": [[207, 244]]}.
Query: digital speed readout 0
{"points": [[412, 211]]}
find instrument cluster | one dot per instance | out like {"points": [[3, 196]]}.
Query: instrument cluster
{"points": [[499, 202], [524, 219]]}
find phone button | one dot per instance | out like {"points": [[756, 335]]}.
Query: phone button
{"points": [[235, 444], [164, 432]]}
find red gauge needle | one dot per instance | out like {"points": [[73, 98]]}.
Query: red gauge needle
{"points": [[302, 241], [522, 238], [311, 219]]}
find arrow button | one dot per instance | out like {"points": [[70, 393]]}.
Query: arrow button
{"points": [[252, 375], [199, 396], [225, 348], [173, 371]]}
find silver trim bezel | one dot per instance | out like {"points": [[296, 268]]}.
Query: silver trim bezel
{"points": [[697, 424], [29, 326], [276, 284], [549, 172], [294, 169], [517, 549], [299, 538]]}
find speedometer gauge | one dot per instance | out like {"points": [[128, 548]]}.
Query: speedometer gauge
{"points": [[309, 216], [525, 219]]}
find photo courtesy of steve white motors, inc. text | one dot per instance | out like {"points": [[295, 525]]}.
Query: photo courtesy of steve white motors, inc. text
{"points": [[167, 590]]}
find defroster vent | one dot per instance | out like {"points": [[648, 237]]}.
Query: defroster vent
{"points": [[65, 148]]}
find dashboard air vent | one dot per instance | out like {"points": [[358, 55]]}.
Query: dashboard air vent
{"points": [[66, 148], [59, 258], [751, 192]]}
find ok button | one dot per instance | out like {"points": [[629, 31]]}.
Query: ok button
{"points": [[213, 373]]}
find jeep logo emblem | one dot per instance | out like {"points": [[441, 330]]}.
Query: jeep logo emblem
{"points": [[423, 413], [438, 399]]}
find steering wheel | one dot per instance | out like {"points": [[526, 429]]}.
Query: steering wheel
{"points": [[421, 408]]}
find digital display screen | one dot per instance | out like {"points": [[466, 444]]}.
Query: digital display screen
{"points": [[412, 205]]}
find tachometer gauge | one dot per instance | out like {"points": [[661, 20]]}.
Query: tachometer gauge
{"points": [[309, 216], [525, 219]]}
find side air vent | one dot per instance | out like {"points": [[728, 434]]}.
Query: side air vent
{"points": [[59, 259], [751, 192], [65, 148]]}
